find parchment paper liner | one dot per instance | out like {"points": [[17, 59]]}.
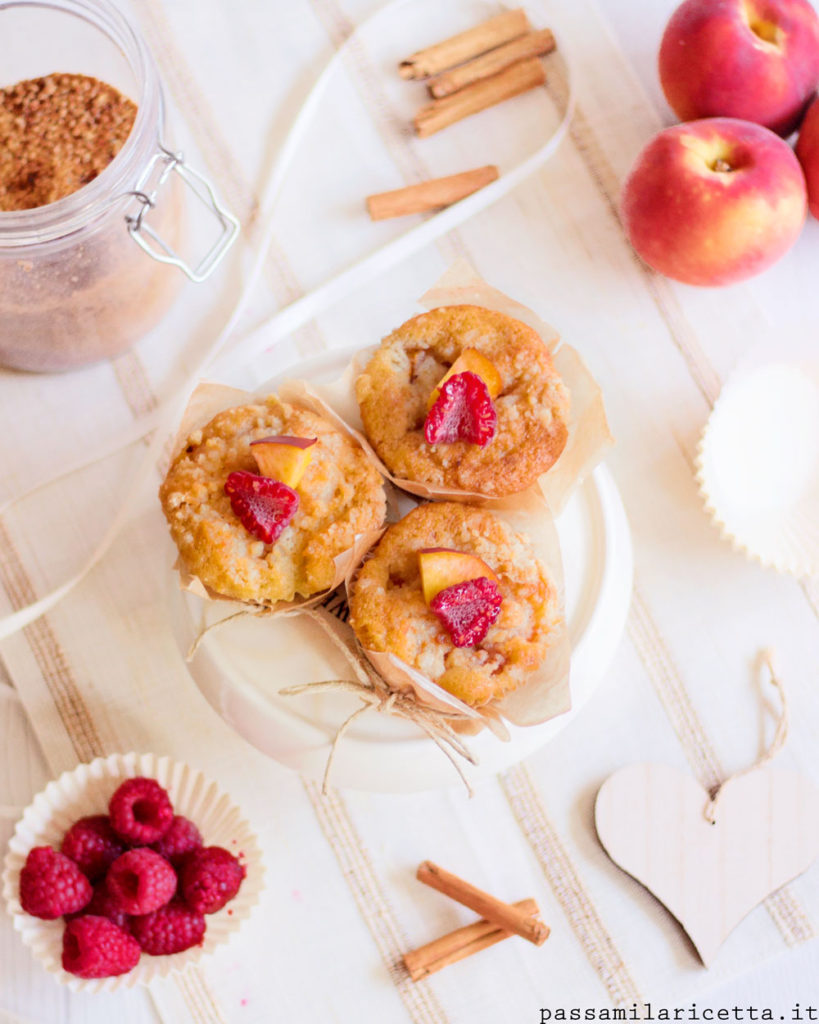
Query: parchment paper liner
{"points": [[386, 684], [86, 790], [544, 695], [589, 436], [395, 687], [764, 497], [208, 399]]}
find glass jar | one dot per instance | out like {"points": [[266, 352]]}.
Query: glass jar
{"points": [[83, 278]]}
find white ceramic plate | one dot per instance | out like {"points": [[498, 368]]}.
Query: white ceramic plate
{"points": [[241, 667]]}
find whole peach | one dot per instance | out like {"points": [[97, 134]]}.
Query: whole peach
{"points": [[714, 201], [807, 150], [753, 59]]}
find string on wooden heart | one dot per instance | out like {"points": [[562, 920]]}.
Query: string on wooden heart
{"points": [[778, 742]]}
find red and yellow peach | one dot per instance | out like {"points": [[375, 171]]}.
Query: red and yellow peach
{"points": [[757, 60], [714, 201], [807, 151]]}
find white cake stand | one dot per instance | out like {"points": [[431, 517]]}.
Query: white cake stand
{"points": [[241, 667]]}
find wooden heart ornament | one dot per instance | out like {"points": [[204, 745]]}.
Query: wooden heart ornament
{"points": [[651, 820]]}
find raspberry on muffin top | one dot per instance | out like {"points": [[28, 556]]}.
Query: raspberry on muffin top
{"points": [[340, 495], [531, 403], [389, 612]]}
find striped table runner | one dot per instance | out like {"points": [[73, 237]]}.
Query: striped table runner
{"points": [[102, 671]]}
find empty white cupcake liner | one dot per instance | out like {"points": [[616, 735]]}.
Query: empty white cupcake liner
{"points": [[86, 790], [757, 462]]}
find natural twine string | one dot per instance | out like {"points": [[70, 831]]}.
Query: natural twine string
{"points": [[376, 695], [205, 630], [778, 742], [369, 687]]}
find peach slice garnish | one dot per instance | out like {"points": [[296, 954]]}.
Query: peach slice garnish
{"points": [[444, 567], [471, 360], [283, 458]]}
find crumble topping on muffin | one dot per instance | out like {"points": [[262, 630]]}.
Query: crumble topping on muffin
{"points": [[532, 406], [389, 613], [341, 494]]}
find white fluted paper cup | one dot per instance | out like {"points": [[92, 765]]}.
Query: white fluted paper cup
{"points": [[758, 458], [86, 790]]}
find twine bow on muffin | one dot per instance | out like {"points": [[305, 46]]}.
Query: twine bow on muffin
{"points": [[376, 694]]}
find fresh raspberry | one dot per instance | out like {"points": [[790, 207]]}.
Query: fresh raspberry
{"points": [[94, 947], [182, 838], [103, 904], [52, 885], [265, 506], [210, 878], [463, 411], [169, 929], [468, 609], [140, 810], [93, 845], [141, 881]]}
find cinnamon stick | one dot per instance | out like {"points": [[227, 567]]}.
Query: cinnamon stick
{"points": [[459, 944], [518, 78], [429, 195], [533, 44], [502, 915], [465, 45]]}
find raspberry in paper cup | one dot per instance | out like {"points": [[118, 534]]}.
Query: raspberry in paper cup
{"points": [[198, 806]]}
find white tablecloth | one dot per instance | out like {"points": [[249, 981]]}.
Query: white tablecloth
{"points": [[102, 672]]}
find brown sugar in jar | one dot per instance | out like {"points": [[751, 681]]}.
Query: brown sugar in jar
{"points": [[88, 191], [56, 134]]}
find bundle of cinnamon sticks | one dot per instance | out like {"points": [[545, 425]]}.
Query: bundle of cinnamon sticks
{"points": [[478, 68], [498, 921], [465, 74]]}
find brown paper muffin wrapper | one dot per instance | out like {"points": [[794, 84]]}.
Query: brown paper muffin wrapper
{"points": [[589, 437], [207, 400], [546, 692], [379, 679], [383, 683]]}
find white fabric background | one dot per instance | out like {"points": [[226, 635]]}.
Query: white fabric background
{"points": [[660, 351]]}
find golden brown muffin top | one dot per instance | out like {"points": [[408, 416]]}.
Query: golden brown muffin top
{"points": [[341, 495], [532, 409], [389, 614]]}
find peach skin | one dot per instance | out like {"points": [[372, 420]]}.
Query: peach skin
{"points": [[715, 201], [807, 152], [757, 60]]}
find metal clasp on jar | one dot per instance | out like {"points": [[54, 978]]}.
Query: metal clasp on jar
{"points": [[163, 164]]}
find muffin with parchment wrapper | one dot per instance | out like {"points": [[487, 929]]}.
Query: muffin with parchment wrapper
{"points": [[465, 397], [454, 592], [263, 498]]}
